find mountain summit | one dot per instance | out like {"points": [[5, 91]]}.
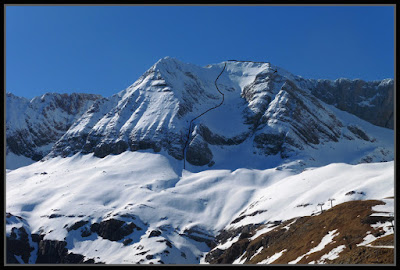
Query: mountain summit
{"points": [[268, 115]]}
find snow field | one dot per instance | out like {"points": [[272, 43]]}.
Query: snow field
{"points": [[153, 188], [283, 199]]}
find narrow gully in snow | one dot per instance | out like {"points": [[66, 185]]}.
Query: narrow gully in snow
{"points": [[191, 121], [222, 101]]}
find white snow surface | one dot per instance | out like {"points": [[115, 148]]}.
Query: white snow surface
{"points": [[331, 255], [283, 199], [369, 238], [384, 209], [324, 241], [153, 188], [262, 231], [273, 258]]}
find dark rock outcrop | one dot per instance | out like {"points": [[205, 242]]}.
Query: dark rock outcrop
{"points": [[215, 139], [21, 246], [113, 229], [77, 225], [154, 233], [199, 236], [198, 153], [54, 252], [18, 245], [359, 133]]}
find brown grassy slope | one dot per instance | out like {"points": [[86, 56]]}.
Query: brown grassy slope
{"points": [[351, 219], [370, 255], [366, 255], [387, 240]]}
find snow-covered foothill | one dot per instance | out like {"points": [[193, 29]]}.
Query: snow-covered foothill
{"points": [[56, 193]]}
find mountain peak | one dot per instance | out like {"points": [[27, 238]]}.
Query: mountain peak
{"points": [[168, 62], [245, 104], [232, 105]]}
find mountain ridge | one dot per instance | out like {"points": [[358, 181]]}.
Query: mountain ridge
{"points": [[34, 125], [154, 112], [276, 113]]}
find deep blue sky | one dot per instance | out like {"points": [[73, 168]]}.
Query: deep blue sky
{"points": [[103, 50]]}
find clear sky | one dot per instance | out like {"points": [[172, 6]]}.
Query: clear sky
{"points": [[104, 49]]}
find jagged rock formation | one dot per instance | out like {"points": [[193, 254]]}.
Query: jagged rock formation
{"points": [[371, 101], [18, 245], [26, 248], [33, 126], [51, 251]]}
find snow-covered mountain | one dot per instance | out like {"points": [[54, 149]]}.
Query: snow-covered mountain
{"points": [[281, 155], [266, 116], [33, 126]]}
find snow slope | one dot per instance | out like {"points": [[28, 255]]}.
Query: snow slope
{"points": [[147, 189]]}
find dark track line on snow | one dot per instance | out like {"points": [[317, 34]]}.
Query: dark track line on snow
{"points": [[191, 121], [222, 101]]}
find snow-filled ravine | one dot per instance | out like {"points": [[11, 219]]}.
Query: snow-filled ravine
{"points": [[153, 188]]}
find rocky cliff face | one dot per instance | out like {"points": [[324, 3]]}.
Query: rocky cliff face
{"points": [[371, 101], [33, 126]]}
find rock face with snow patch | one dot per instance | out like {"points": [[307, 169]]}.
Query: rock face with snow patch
{"points": [[371, 101], [23, 247], [33, 126]]}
